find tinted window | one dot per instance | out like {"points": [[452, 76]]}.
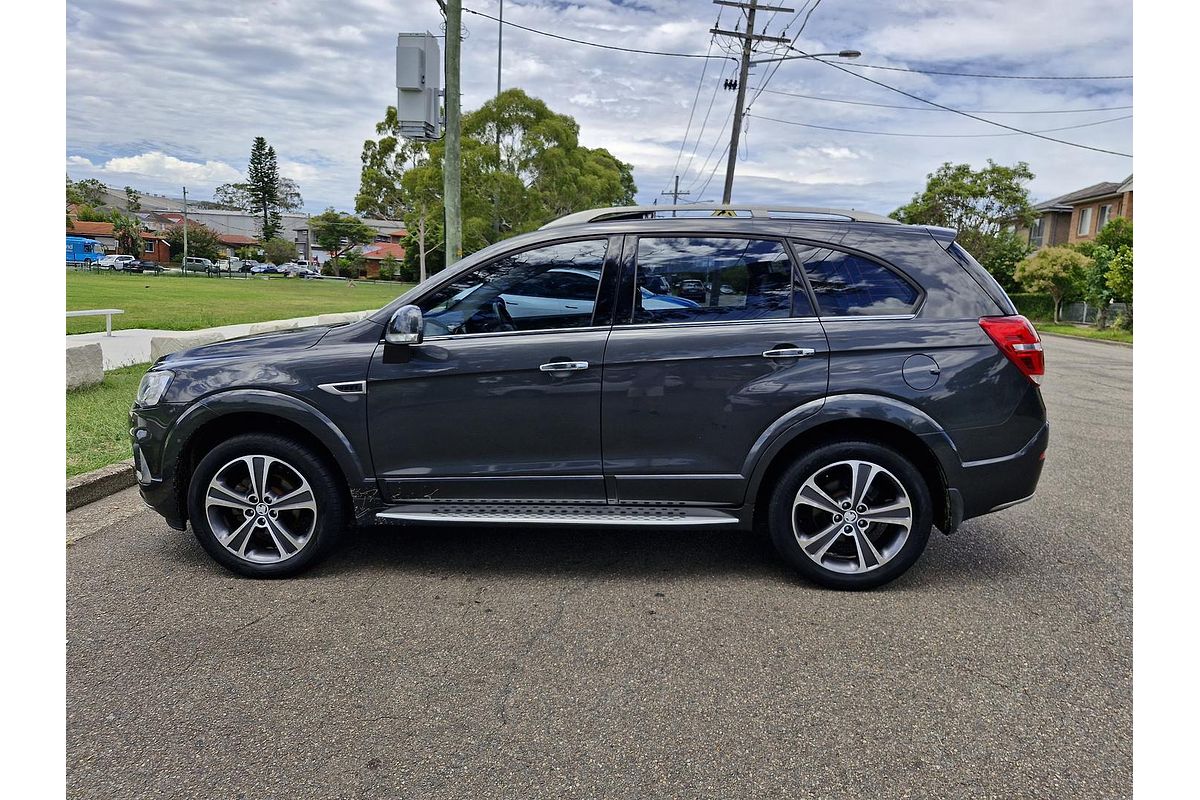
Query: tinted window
{"points": [[545, 288], [849, 285], [711, 279]]}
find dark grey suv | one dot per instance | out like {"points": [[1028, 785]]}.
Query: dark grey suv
{"points": [[843, 381]]}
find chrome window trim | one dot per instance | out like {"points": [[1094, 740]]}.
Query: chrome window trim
{"points": [[773, 320], [461, 336]]}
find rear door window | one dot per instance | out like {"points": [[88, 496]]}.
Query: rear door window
{"points": [[711, 279]]}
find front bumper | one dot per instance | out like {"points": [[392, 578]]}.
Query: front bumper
{"points": [[148, 429]]}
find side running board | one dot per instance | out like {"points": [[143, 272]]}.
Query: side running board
{"points": [[557, 514]]}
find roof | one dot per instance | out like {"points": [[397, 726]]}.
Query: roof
{"points": [[381, 250], [80, 228], [236, 239], [1102, 189]]}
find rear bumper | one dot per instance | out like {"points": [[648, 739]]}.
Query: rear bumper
{"points": [[998, 483]]}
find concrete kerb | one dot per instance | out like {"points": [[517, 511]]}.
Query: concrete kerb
{"points": [[91, 486], [1084, 339]]}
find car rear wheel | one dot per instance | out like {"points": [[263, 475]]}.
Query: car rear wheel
{"points": [[851, 515], [265, 506]]}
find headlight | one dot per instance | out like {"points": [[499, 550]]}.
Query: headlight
{"points": [[154, 384]]}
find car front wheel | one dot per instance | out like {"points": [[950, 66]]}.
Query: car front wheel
{"points": [[265, 506], [851, 515]]}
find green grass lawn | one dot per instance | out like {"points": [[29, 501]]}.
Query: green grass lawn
{"points": [[98, 420], [184, 304], [1108, 334]]}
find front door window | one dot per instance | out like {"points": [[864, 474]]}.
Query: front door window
{"points": [[545, 288]]}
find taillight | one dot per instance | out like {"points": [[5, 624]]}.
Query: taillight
{"points": [[1017, 339]]}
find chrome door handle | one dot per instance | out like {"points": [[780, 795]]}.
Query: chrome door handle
{"points": [[564, 366], [789, 352]]}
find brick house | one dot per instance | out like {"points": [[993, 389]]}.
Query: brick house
{"points": [[154, 245], [374, 254], [1078, 216]]}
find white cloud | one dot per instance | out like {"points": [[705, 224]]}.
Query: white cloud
{"points": [[314, 78], [159, 166]]}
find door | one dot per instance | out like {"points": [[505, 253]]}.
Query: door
{"points": [[693, 379], [501, 401]]}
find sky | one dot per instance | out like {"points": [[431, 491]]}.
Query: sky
{"points": [[165, 95]]}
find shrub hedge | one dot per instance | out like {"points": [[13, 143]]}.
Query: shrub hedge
{"points": [[1035, 306]]}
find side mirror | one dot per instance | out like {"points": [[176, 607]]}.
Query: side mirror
{"points": [[406, 326]]}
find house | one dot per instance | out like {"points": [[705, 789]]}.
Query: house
{"points": [[374, 255], [154, 245], [1078, 216]]}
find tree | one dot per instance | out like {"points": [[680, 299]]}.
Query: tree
{"points": [[203, 241], [388, 267], [337, 233], [128, 233], [265, 193], [1120, 283], [1116, 233], [985, 206], [1095, 279], [89, 192], [538, 172], [133, 199], [279, 250], [1055, 270]]}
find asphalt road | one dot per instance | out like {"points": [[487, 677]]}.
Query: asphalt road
{"points": [[523, 663]]}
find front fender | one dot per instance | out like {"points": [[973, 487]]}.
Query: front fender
{"points": [[276, 404]]}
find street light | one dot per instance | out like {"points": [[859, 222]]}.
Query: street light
{"points": [[839, 54]]}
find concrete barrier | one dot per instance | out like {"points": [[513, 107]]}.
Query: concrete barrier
{"points": [[338, 319], [274, 325], [162, 345], [85, 366], [91, 486]]}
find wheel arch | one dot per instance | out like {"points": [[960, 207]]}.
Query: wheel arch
{"points": [[882, 420], [220, 417]]}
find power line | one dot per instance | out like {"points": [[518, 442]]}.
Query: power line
{"points": [[1003, 77], [941, 135], [691, 113], [963, 113], [592, 44], [713, 149], [704, 124], [923, 108]]}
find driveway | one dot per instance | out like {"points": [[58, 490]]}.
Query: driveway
{"points": [[527, 663]]}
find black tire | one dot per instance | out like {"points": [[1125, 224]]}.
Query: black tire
{"points": [[323, 480], [784, 536]]}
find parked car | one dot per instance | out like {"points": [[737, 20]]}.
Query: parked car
{"points": [[265, 269], [197, 264], [692, 289], [247, 265], [872, 382], [298, 270], [116, 262], [143, 266]]}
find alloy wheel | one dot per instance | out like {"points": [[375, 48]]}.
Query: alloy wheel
{"points": [[261, 509], [852, 516]]}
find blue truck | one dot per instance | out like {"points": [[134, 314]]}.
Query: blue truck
{"points": [[81, 250]]}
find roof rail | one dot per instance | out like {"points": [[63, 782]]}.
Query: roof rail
{"points": [[716, 210]]}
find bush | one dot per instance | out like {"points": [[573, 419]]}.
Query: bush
{"points": [[1034, 305]]}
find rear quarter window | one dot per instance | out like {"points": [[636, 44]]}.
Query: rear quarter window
{"points": [[847, 285]]}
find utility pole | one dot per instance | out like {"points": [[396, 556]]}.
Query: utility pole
{"points": [[748, 39], [499, 64], [452, 169], [675, 194], [183, 264]]}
